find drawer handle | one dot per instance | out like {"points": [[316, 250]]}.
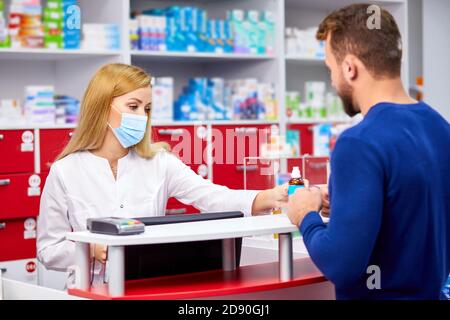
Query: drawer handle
{"points": [[248, 168], [170, 132], [5, 182], [2, 225], [2, 137], [176, 211], [317, 165], [244, 130], [3, 270]]}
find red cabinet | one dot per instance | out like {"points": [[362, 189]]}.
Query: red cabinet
{"points": [[230, 145], [17, 151], [19, 195], [314, 169], [189, 144], [17, 239], [52, 142], [306, 137], [306, 144]]}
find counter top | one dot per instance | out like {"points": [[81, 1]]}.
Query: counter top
{"points": [[194, 231]]}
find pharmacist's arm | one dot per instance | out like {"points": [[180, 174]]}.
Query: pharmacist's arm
{"points": [[190, 188], [341, 249], [53, 250]]}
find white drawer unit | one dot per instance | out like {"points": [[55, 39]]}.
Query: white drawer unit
{"points": [[20, 270]]}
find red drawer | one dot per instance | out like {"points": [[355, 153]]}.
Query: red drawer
{"points": [[52, 143], [230, 145], [314, 169], [186, 142], [306, 137], [17, 239], [19, 195], [306, 143], [17, 151], [189, 144]]}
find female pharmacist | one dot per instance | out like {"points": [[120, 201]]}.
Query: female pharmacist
{"points": [[111, 168]]}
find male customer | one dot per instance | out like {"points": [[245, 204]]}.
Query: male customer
{"points": [[389, 192]]}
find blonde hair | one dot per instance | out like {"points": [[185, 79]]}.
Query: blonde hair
{"points": [[110, 81]]}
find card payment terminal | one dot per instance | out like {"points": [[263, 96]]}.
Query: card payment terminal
{"points": [[115, 226]]}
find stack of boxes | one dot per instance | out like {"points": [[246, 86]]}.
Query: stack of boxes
{"points": [[4, 37], [53, 24], [217, 99], [25, 24], [317, 104], [303, 43], [55, 27], [162, 99], [189, 29], [66, 109], [72, 24], [40, 105], [97, 36]]}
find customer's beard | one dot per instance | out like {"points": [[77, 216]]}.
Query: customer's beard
{"points": [[345, 92]]}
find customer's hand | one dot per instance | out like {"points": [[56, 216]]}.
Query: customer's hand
{"points": [[98, 252], [325, 202], [302, 202]]}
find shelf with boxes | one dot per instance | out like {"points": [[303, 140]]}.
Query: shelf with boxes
{"points": [[208, 27], [196, 56], [58, 25]]}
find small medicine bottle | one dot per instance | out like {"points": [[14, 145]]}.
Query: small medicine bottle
{"points": [[296, 181]]}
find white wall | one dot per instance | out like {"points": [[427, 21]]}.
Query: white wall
{"points": [[415, 29], [436, 59]]}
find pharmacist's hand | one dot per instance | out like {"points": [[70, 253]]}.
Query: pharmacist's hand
{"points": [[268, 199], [98, 251], [302, 202], [280, 196], [325, 202]]}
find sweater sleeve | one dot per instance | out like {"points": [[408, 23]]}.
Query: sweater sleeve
{"points": [[342, 249]]}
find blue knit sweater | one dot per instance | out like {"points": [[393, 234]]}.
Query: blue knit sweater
{"points": [[389, 231]]}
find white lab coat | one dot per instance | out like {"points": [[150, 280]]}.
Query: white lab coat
{"points": [[82, 186]]}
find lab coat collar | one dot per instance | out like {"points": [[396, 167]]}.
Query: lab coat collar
{"points": [[122, 163]]}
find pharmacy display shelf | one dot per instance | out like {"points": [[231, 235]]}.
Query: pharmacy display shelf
{"points": [[70, 70], [26, 126], [334, 4], [196, 56], [320, 121], [213, 122], [292, 59], [155, 123], [53, 54]]}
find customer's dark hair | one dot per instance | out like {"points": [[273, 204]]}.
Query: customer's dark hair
{"points": [[380, 50]]}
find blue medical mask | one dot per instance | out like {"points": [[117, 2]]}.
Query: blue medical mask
{"points": [[131, 130]]}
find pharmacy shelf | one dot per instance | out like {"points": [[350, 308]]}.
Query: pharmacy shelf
{"points": [[327, 5], [53, 54], [163, 123], [304, 61], [320, 121], [69, 71], [213, 122], [196, 56], [155, 123], [30, 126]]}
